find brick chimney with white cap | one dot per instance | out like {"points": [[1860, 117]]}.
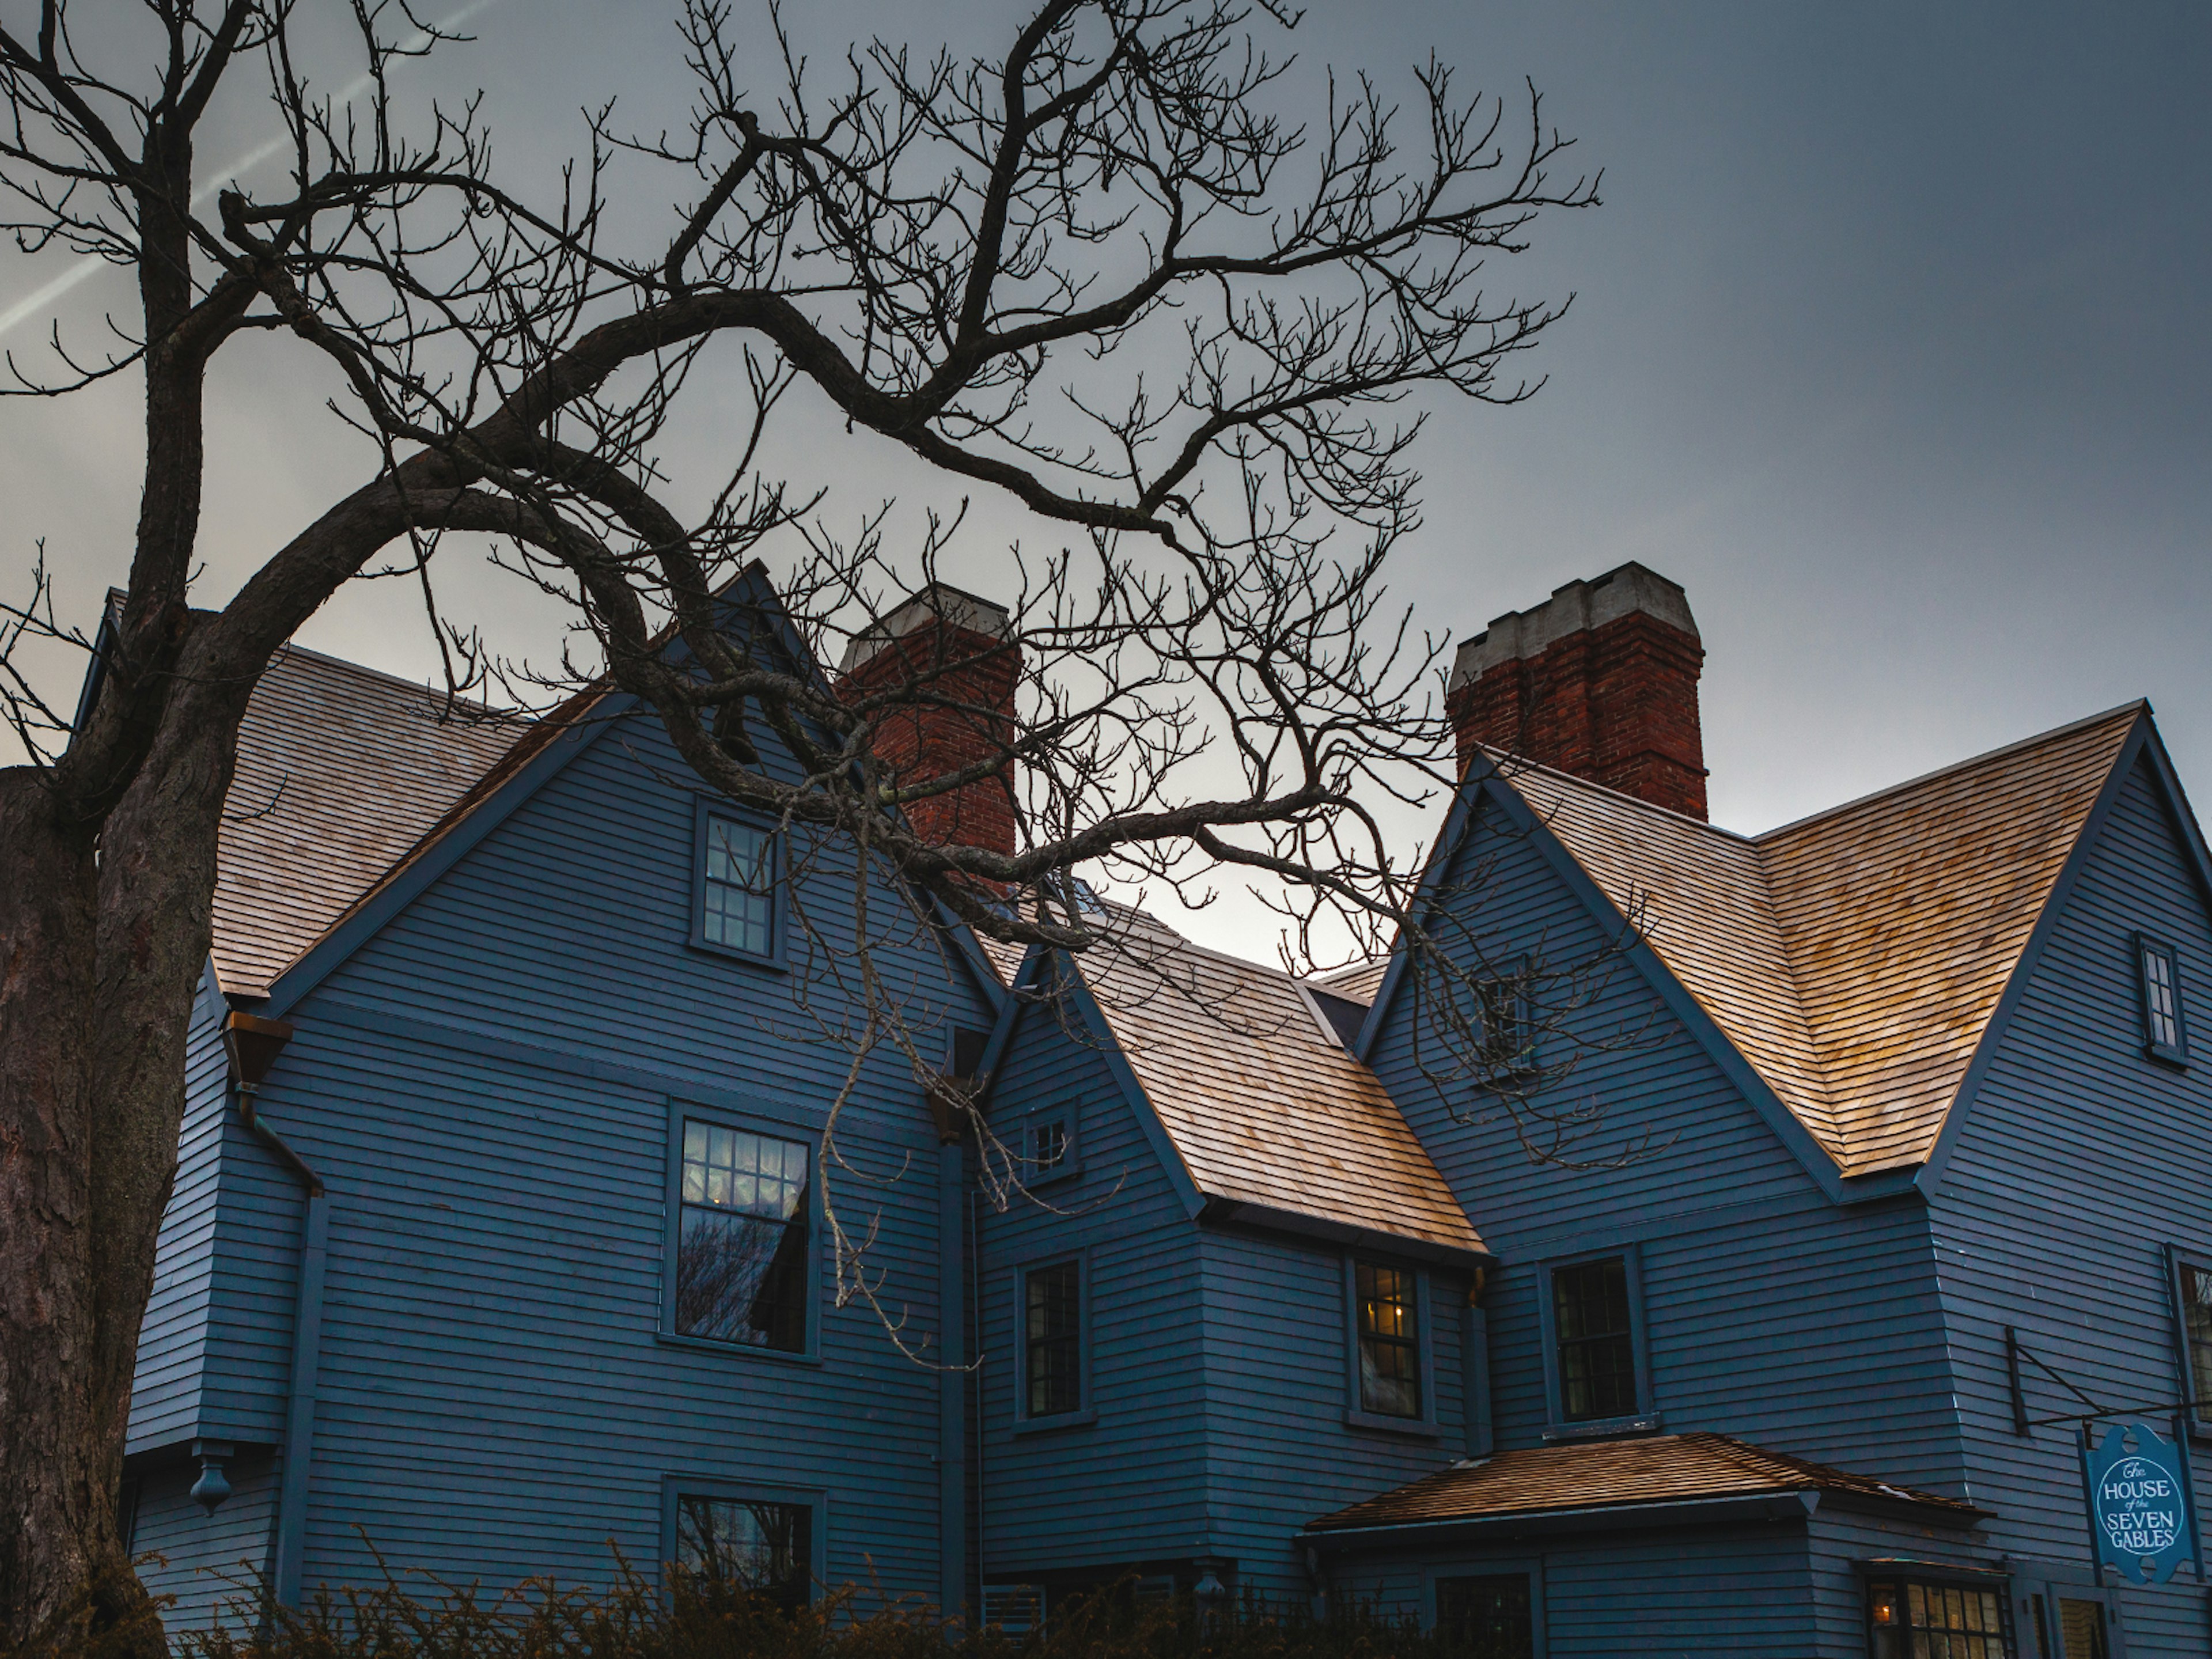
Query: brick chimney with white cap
{"points": [[1601, 680], [952, 653]]}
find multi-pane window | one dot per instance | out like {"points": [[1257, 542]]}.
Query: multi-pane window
{"points": [[1910, 1620], [2161, 999], [1486, 1616], [763, 1546], [741, 1247], [1389, 1340], [1052, 1338], [1594, 1327], [738, 897]]}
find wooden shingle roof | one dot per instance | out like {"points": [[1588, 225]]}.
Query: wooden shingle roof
{"points": [[1601, 1473], [1264, 1106], [1854, 958], [340, 771]]}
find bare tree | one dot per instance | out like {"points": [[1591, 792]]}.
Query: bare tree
{"points": [[1108, 274]]}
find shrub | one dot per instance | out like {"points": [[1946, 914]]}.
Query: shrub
{"points": [[692, 1618]]}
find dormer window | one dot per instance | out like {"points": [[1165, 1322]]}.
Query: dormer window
{"points": [[2164, 1035]]}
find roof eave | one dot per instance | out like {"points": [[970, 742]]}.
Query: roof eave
{"points": [[1219, 1210], [1785, 1503]]}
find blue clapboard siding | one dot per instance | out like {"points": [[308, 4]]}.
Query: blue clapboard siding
{"points": [[210, 1563], [1129, 1487], [1277, 1358], [173, 1342], [1839, 1539], [2078, 1161], [485, 1086], [1682, 1594], [1772, 1314]]}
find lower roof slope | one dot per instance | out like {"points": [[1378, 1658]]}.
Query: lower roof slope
{"points": [[1666, 1468], [1261, 1101], [341, 770], [1854, 958]]}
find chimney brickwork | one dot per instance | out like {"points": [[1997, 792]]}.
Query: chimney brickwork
{"points": [[1601, 680], [949, 650]]}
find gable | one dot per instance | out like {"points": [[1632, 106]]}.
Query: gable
{"points": [[340, 771], [1275, 1121], [1660, 1124], [1854, 959]]}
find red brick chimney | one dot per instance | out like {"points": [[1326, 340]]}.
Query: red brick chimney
{"points": [[950, 652], [1600, 680]]}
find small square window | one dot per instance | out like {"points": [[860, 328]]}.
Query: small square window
{"points": [[1052, 1339], [767, 1547], [742, 1250], [737, 887], [2165, 1031], [1487, 1615], [1049, 1150], [1389, 1340], [1595, 1329]]}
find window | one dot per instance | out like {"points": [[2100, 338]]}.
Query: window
{"points": [[1910, 1619], [762, 1546], [2080, 1629], [742, 1252], [1389, 1340], [1388, 1384], [1486, 1616], [2196, 1332], [1049, 1145], [1509, 1040], [2165, 1036], [1595, 1334], [2190, 1281], [1052, 1339], [737, 886]]}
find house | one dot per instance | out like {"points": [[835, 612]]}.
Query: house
{"points": [[1876, 1168]]}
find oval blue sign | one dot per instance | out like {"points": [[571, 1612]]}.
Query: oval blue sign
{"points": [[2139, 1503]]}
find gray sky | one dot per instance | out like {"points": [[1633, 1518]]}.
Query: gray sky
{"points": [[1892, 345]]}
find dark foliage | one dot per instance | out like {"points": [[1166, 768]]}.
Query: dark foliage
{"points": [[690, 1617]]}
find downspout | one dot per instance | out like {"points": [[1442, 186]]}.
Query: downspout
{"points": [[253, 1044], [949, 1101]]}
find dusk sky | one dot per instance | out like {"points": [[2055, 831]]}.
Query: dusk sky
{"points": [[1894, 345]]}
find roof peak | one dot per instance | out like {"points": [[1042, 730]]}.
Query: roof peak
{"points": [[2141, 705]]}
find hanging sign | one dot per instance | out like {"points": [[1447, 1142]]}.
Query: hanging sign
{"points": [[2142, 1517]]}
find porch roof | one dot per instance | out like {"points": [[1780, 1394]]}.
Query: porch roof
{"points": [[1621, 1474]]}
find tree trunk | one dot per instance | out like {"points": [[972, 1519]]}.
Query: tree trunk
{"points": [[58, 1547], [99, 963]]}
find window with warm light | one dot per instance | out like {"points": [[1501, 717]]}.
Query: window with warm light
{"points": [[1912, 1619], [1389, 1340]]}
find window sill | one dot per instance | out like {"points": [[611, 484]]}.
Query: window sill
{"points": [[2167, 1055], [1606, 1428], [1082, 1419], [735, 1350], [707, 947], [1414, 1428]]}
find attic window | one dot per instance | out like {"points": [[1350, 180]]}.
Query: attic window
{"points": [[2164, 1035], [1509, 1041]]}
